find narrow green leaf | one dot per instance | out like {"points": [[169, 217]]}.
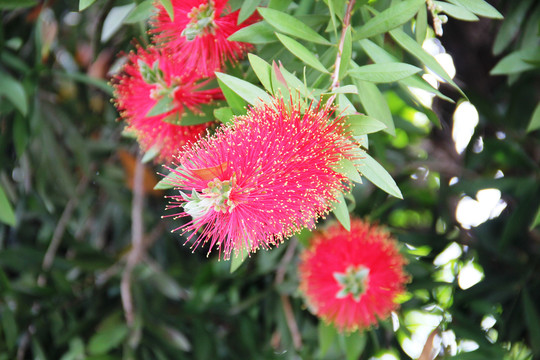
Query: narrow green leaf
{"points": [[279, 84], [204, 114], [83, 4], [347, 168], [363, 124], [479, 7], [167, 4], [327, 335], [420, 26], [389, 19], [9, 326], [224, 114], [342, 212], [107, 339], [536, 220], [263, 70], [151, 153], [7, 215], [165, 104], [515, 62], [14, 91], [295, 83], [534, 124], [258, 33], [355, 344], [346, 54], [114, 21], [140, 13], [237, 104], [238, 259], [384, 73], [417, 51], [248, 7], [301, 52], [455, 11], [345, 106], [375, 104], [247, 91], [171, 180], [289, 25], [532, 319], [381, 56], [375, 173]]}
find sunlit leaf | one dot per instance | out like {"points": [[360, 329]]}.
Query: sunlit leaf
{"points": [[327, 336], [347, 168], [342, 212], [384, 73], [479, 7], [456, 11], [377, 174], [248, 7], [247, 91], [420, 27], [224, 115], [289, 25], [167, 4], [114, 20], [263, 70], [7, 215], [258, 33], [83, 4], [363, 124], [301, 52], [238, 259], [164, 105], [140, 13], [346, 54], [534, 124], [389, 19], [375, 104]]}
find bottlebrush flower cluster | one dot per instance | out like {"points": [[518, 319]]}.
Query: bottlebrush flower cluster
{"points": [[351, 279], [262, 179], [158, 84]]}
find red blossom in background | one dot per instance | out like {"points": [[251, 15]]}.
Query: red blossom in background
{"points": [[351, 279], [266, 177], [148, 77], [198, 35]]}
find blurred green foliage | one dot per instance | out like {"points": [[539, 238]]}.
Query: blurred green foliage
{"points": [[66, 200]]}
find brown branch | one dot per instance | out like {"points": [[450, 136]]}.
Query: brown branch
{"points": [[285, 302], [346, 24], [137, 243]]}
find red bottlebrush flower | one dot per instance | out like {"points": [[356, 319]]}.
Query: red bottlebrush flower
{"points": [[351, 279], [150, 77], [265, 177], [197, 37]]}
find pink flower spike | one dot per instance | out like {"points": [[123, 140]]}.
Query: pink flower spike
{"points": [[256, 182], [151, 76], [197, 37], [351, 279]]}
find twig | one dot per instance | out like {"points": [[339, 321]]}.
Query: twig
{"points": [[346, 24], [285, 302], [58, 234], [137, 243]]}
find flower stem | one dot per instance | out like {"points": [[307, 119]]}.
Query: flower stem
{"points": [[346, 24]]}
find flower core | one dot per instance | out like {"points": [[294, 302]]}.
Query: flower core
{"points": [[201, 21], [216, 196], [353, 281]]}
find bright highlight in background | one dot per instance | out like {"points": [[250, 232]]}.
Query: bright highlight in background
{"points": [[488, 205], [465, 121]]}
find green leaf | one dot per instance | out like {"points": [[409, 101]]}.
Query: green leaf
{"points": [[355, 344], [83, 4], [165, 104], [171, 180], [15, 4], [536, 220], [247, 91], [114, 20], [417, 51], [384, 73], [375, 173], [151, 153], [381, 56], [237, 104], [167, 4], [327, 335], [14, 91], [532, 319], [420, 26], [248, 7], [534, 124], [375, 104], [516, 62], [238, 259], [204, 114], [263, 70], [346, 54], [342, 212], [85, 79], [224, 114], [294, 83], [301, 52], [9, 326], [107, 339], [362, 124], [289, 25], [258, 33], [455, 11], [347, 168], [140, 13], [7, 215], [390, 18], [479, 7]]}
